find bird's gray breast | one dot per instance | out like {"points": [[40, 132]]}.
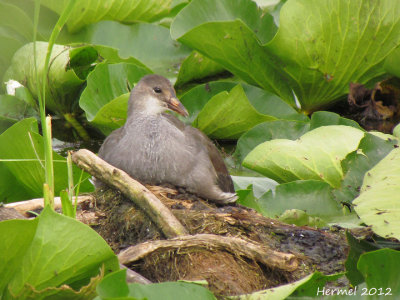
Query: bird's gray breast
{"points": [[156, 150]]}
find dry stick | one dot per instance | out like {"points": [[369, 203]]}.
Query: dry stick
{"points": [[138, 193], [24, 206], [260, 253]]}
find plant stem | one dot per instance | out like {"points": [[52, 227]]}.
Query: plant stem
{"points": [[70, 118], [46, 122]]}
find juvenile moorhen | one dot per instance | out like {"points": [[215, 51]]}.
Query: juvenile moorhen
{"points": [[155, 147]]}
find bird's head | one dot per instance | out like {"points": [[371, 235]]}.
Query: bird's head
{"points": [[154, 94]]}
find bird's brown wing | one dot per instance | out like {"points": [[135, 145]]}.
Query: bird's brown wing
{"points": [[224, 180]]}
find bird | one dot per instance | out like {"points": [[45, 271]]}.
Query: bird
{"points": [[155, 147]]}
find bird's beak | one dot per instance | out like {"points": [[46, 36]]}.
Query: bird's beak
{"points": [[176, 105]]}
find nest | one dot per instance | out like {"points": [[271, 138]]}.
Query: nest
{"points": [[234, 248]]}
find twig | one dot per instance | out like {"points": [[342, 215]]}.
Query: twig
{"points": [[29, 205]]}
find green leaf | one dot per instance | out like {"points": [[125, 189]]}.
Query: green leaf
{"points": [[381, 271], [377, 204], [229, 115], [370, 151], [392, 63], [112, 115], [15, 31], [149, 44], [195, 67], [246, 198], [22, 144], [113, 286], [50, 251], [326, 118], [195, 99], [316, 155], [63, 85], [279, 129], [12, 110], [357, 248], [85, 13], [260, 185], [301, 218], [319, 49], [307, 286], [312, 196], [231, 33], [396, 131], [106, 83], [170, 291]]}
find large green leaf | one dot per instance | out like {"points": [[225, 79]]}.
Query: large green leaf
{"points": [[47, 252], [357, 248], [311, 196], [85, 13], [231, 33], [195, 67], [320, 47], [303, 288], [106, 85], [195, 99], [15, 31], [150, 44], [22, 144], [229, 114], [316, 155], [63, 84], [378, 203], [12, 110], [279, 129], [370, 151], [381, 272], [114, 286]]}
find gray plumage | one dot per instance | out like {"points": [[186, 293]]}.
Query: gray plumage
{"points": [[155, 147]]}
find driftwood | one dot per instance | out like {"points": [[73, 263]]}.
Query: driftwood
{"points": [[257, 252], [132, 189], [23, 207]]}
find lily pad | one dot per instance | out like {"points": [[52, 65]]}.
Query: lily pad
{"points": [[228, 115], [195, 67], [382, 278], [279, 129], [195, 99], [112, 115], [149, 44], [316, 155], [107, 82], [319, 49], [311, 196], [370, 151], [260, 185], [22, 147], [378, 203], [305, 287], [114, 286], [326, 118], [12, 110], [63, 85], [51, 240], [85, 13]]}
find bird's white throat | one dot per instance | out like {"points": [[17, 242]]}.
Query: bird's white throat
{"points": [[152, 106]]}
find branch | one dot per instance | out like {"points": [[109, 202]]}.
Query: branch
{"points": [[260, 253], [132, 189]]}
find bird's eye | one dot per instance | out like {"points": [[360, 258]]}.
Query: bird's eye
{"points": [[157, 89]]}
